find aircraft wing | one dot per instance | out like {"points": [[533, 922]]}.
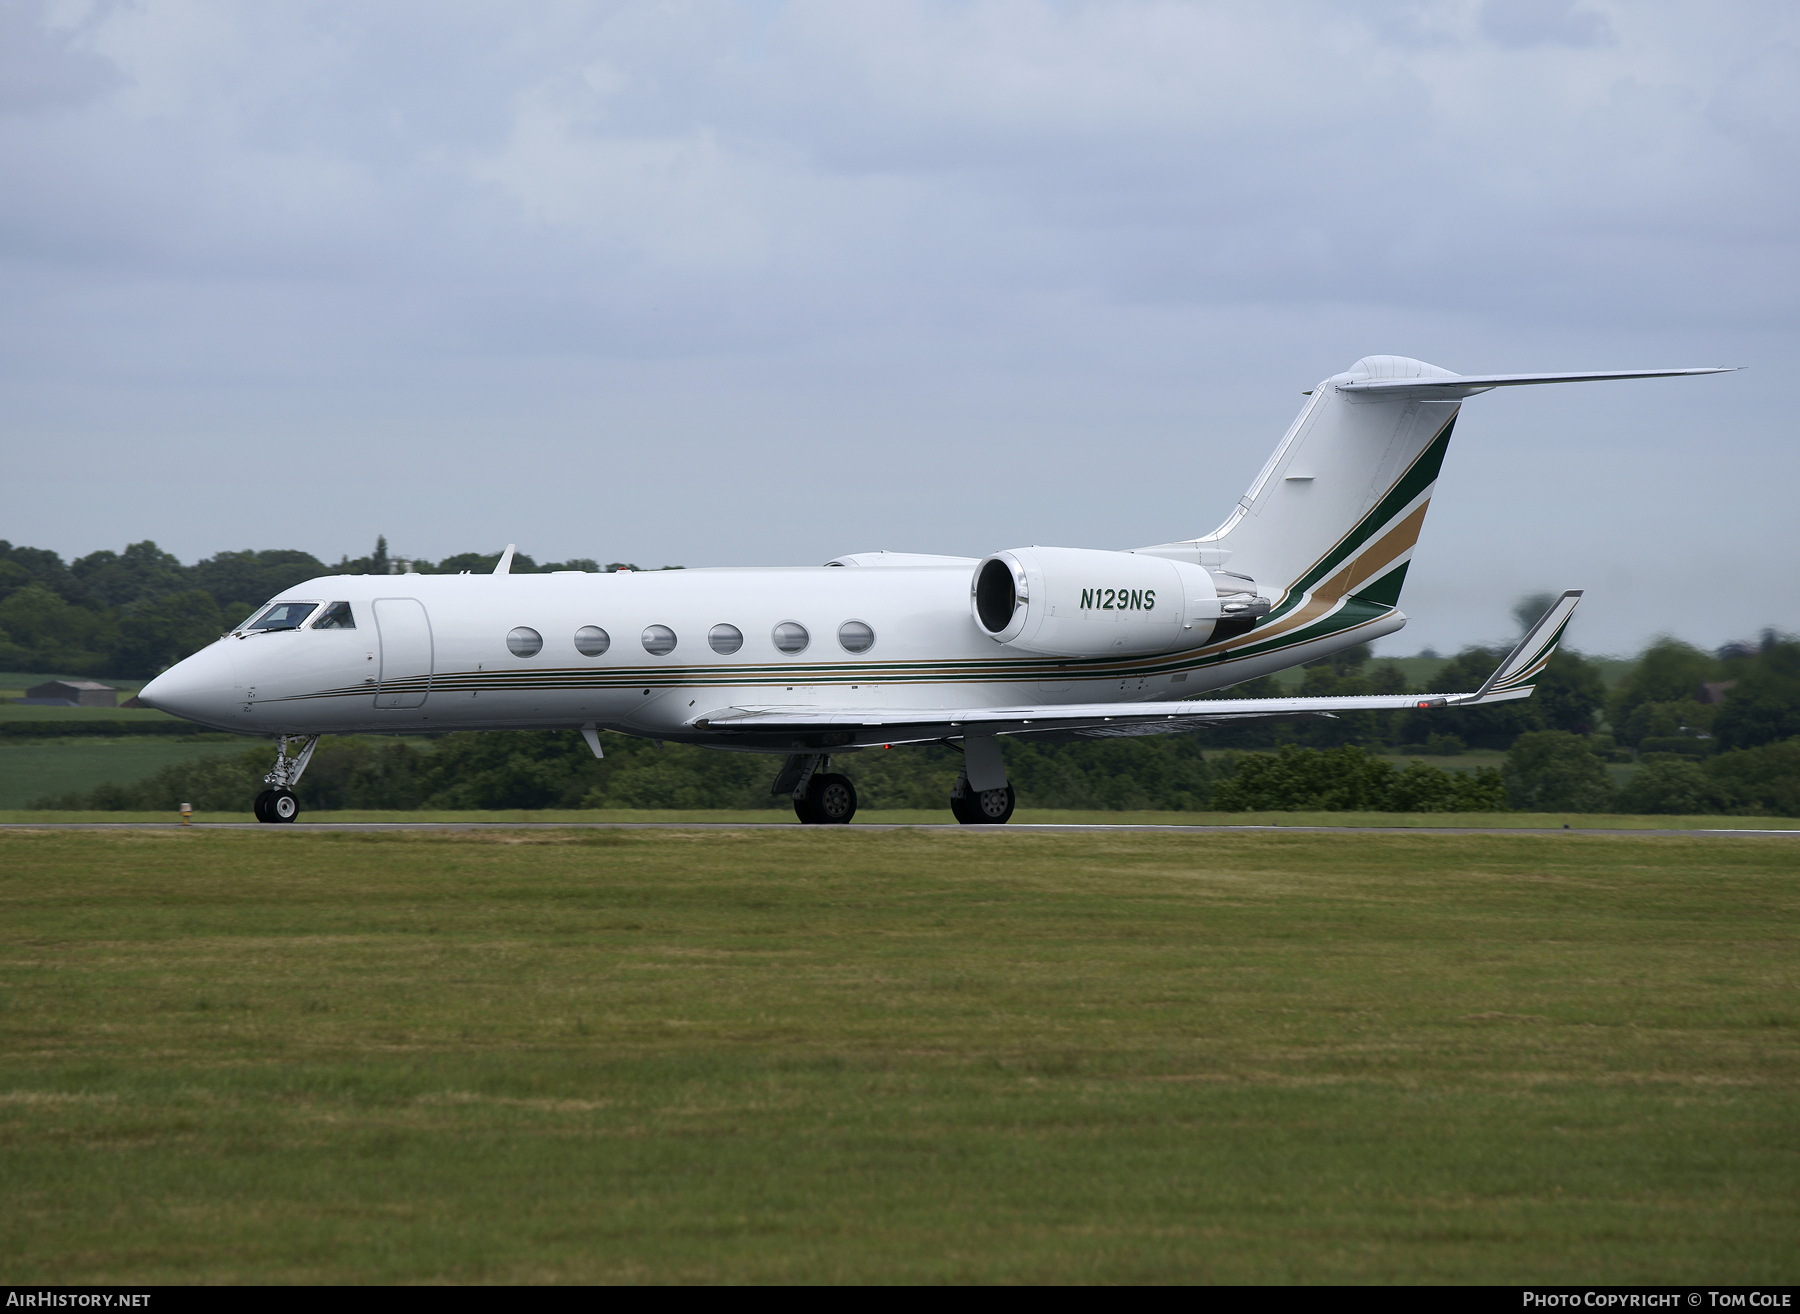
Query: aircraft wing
{"points": [[845, 727]]}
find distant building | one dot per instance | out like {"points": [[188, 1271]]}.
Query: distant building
{"points": [[1714, 692], [71, 693]]}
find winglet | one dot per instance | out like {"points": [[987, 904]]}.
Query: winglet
{"points": [[504, 566], [1517, 676]]}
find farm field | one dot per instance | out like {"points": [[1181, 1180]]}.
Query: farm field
{"points": [[31, 769], [842, 1055], [13, 684]]}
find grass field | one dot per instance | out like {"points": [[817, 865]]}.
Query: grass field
{"points": [[832, 1055], [13, 684], [34, 712], [41, 767]]}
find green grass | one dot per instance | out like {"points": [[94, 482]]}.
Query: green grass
{"points": [[832, 1055], [33, 769]]}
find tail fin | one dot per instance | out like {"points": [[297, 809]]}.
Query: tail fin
{"points": [[1339, 505], [1328, 528], [1517, 676]]}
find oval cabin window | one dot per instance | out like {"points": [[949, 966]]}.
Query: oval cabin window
{"points": [[659, 639], [591, 641], [791, 637], [725, 639], [524, 641], [856, 636]]}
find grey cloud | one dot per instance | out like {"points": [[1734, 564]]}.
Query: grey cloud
{"points": [[43, 67], [855, 256], [1521, 24]]}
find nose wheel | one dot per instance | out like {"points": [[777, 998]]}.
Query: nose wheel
{"points": [[276, 805]]}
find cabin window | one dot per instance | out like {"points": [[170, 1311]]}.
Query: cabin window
{"points": [[592, 641], [791, 637], [856, 636], [523, 641], [659, 639], [725, 639], [282, 616], [336, 617]]}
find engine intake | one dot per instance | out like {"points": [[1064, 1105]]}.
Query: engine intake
{"points": [[1078, 602]]}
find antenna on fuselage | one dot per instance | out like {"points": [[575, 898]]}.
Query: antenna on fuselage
{"points": [[505, 566]]}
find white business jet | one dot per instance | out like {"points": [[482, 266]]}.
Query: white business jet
{"points": [[889, 648]]}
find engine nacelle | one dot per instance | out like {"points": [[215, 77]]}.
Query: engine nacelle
{"points": [[1080, 602]]}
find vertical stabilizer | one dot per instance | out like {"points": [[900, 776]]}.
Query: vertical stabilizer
{"points": [[1327, 529]]}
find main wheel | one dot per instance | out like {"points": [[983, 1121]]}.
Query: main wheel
{"points": [[830, 801], [990, 807], [283, 806], [261, 806]]}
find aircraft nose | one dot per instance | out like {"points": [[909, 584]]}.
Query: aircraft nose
{"points": [[197, 688]]}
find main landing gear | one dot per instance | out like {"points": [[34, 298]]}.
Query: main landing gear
{"points": [[821, 798], [278, 803], [824, 798], [982, 795], [981, 807]]}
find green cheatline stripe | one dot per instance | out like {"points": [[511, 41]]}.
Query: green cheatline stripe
{"points": [[1349, 615], [1370, 603]]}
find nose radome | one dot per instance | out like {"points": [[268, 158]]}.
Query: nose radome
{"points": [[198, 688]]}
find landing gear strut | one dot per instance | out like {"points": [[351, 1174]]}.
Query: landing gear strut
{"points": [[821, 798], [278, 803]]}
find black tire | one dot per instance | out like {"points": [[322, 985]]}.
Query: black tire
{"points": [[830, 801], [282, 805], [261, 806], [992, 807]]}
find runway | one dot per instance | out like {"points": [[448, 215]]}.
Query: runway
{"points": [[378, 827]]}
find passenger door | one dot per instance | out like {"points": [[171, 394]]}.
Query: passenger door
{"points": [[405, 633]]}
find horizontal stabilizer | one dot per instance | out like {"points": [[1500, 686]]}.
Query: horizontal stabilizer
{"points": [[1449, 387]]}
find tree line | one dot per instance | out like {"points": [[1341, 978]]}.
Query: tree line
{"points": [[1544, 771], [131, 614], [1696, 722], [1739, 757]]}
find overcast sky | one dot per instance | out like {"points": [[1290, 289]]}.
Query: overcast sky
{"points": [[762, 283]]}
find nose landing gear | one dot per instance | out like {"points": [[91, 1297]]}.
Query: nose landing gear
{"points": [[277, 803]]}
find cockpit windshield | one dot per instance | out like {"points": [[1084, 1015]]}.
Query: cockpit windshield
{"points": [[336, 616], [282, 616]]}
